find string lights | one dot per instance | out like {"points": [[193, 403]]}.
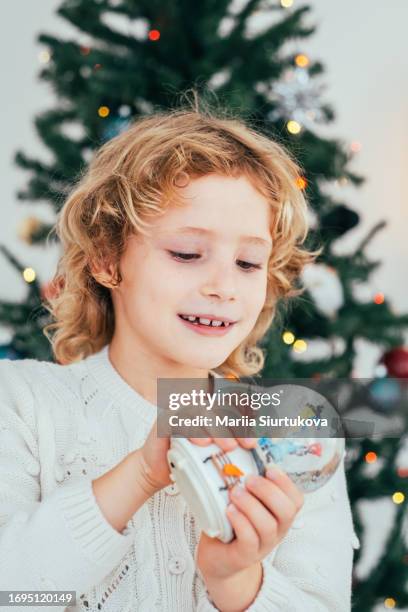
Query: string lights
{"points": [[398, 497], [301, 183], [288, 337], [302, 60], [379, 298], [371, 457], [103, 111], [154, 35], [44, 56], [293, 127], [29, 275], [298, 345]]}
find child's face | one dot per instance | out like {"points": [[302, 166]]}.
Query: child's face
{"points": [[159, 285]]}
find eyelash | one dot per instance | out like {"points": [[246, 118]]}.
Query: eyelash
{"points": [[182, 256]]}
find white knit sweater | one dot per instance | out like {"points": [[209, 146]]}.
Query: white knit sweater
{"points": [[62, 427]]}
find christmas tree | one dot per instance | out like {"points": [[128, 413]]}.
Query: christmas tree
{"points": [[131, 57]]}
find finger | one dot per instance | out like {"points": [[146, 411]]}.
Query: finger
{"points": [[246, 543], [226, 444], [232, 441], [244, 432], [200, 441], [274, 500], [283, 481], [248, 442], [206, 439], [260, 517]]}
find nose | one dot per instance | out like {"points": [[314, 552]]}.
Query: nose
{"points": [[220, 282]]}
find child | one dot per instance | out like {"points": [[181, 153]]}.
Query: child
{"points": [[184, 214]]}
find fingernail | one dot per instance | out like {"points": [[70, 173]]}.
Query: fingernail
{"points": [[237, 491], [253, 480], [232, 508], [274, 472]]}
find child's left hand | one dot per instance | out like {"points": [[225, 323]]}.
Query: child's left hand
{"points": [[261, 516]]}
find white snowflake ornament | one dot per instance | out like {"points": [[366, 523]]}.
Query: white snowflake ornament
{"points": [[324, 286]]}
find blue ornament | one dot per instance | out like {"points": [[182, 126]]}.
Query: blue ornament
{"points": [[385, 393], [277, 450], [114, 126], [8, 352]]}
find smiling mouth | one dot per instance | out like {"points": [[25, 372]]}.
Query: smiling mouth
{"points": [[203, 322]]}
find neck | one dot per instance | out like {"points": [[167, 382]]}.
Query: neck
{"points": [[141, 371]]}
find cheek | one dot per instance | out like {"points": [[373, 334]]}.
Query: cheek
{"points": [[158, 288], [255, 296]]}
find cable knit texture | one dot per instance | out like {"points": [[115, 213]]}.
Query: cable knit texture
{"points": [[61, 427]]}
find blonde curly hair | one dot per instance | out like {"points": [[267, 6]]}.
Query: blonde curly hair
{"points": [[133, 178]]}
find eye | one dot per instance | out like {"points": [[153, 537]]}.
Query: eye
{"points": [[249, 266], [246, 266], [184, 256]]}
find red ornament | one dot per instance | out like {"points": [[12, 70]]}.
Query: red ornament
{"points": [[315, 449], [396, 362], [154, 35]]}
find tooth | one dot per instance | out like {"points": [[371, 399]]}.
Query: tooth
{"points": [[209, 322]]}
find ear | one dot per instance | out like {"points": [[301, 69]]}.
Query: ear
{"points": [[102, 272]]}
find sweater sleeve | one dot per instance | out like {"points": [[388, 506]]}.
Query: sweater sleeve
{"points": [[311, 569], [62, 542]]}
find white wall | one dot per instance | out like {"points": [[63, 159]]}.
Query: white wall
{"points": [[362, 46]]}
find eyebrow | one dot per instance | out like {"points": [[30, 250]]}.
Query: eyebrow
{"points": [[204, 231]]}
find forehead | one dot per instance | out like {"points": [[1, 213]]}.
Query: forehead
{"points": [[206, 232], [217, 205]]}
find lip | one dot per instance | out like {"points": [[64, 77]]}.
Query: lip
{"points": [[212, 317], [207, 331]]}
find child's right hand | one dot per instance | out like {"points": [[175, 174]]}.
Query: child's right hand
{"points": [[154, 468]]}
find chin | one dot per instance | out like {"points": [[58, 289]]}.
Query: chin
{"points": [[203, 362]]}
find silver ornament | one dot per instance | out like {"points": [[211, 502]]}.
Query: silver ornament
{"points": [[296, 97]]}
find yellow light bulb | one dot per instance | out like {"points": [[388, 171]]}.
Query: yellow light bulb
{"points": [[293, 127], [371, 457], [103, 111], [356, 146], [301, 182], [288, 337], [286, 3], [389, 603], [302, 60], [299, 346], [29, 275], [44, 56], [398, 497]]}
